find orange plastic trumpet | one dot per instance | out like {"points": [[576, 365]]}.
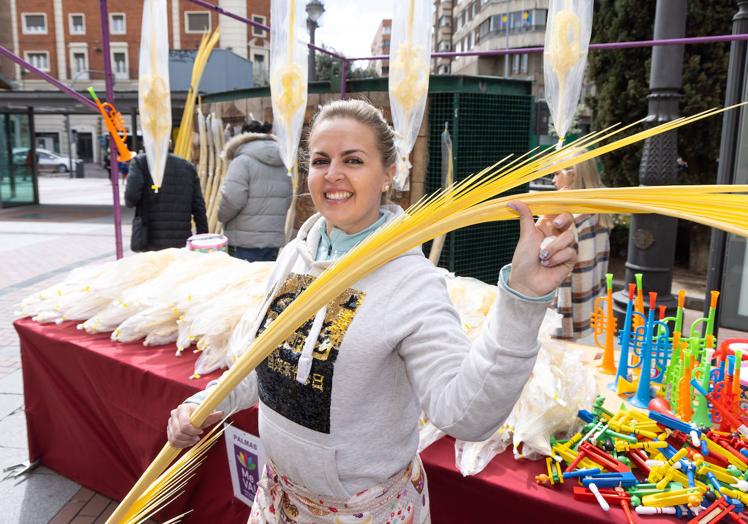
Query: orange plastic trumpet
{"points": [[115, 125]]}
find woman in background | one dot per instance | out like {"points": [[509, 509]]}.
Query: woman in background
{"points": [[576, 296]]}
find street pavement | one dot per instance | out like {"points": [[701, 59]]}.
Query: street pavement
{"points": [[72, 226]]}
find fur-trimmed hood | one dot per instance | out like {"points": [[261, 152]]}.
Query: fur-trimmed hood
{"points": [[259, 146]]}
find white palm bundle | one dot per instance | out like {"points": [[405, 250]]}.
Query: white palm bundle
{"points": [[88, 290]]}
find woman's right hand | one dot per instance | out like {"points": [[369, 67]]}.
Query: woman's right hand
{"points": [[180, 431]]}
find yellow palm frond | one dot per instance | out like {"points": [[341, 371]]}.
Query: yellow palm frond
{"points": [[183, 143], [469, 202]]}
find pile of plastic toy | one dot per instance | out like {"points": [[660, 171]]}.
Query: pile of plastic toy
{"points": [[654, 463], [686, 457]]}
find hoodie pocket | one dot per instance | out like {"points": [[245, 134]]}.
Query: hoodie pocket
{"points": [[310, 464]]}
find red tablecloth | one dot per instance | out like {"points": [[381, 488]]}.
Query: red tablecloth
{"points": [[96, 413]]}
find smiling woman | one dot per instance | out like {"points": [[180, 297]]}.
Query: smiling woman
{"points": [[340, 398]]}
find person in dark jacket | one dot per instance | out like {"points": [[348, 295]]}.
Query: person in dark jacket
{"points": [[255, 196], [168, 213]]}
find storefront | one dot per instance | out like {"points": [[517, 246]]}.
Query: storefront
{"points": [[18, 182]]}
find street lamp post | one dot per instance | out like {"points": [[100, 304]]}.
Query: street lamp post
{"points": [[651, 249], [314, 10]]}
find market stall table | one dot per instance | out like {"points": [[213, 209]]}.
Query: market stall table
{"points": [[96, 412]]}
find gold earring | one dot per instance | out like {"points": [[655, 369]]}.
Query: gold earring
{"points": [[386, 188]]}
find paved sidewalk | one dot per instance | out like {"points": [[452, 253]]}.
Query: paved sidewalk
{"points": [[73, 226]]}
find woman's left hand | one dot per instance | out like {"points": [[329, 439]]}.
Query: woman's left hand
{"points": [[536, 270]]}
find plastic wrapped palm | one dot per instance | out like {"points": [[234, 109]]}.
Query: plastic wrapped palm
{"points": [[88, 290], [567, 40], [410, 52], [154, 95], [288, 87]]}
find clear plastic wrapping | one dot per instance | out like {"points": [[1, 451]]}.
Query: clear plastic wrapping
{"points": [[567, 40], [154, 94], [410, 56], [288, 75]]}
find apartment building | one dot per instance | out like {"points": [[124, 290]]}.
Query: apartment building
{"points": [[443, 25], [498, 24], [381, 46], [63, 38]]}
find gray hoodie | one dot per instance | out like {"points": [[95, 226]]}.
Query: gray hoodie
{"points": [[389, 346], [256, 194]]}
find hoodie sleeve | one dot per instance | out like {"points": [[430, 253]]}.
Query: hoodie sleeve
{"points": [[235, 190], [467, 390]]}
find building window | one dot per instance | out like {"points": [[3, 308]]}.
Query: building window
{"points": [[256, 31], [258, 59], [469, 12], [445, 69], [79, 63], [515, 64], [444, 45], [386, 30], [196, 21], [445, 21], [38, 59], [117, 23], [77, 24], [119, 65], [523, 64], [35, 24]]}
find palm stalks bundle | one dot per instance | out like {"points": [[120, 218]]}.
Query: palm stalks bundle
{"points": [[219, 171], [172, 483], [466, 203], [183, 144], [210, 162], [291, 213], [202, 163]]}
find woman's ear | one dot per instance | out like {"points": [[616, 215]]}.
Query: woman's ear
{"points": [[389, 175]]}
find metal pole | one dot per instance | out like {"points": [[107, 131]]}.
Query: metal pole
{"points": [[728, 150], [651, 249], [597, 47], [311, 26], [108, 78], [343, 78], [70, 145], [4, 51]]}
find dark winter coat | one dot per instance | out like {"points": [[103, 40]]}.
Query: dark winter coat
{"points": [[169, 212], [256, 194]]}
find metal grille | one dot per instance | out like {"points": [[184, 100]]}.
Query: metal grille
{"points": [[484, 129]]}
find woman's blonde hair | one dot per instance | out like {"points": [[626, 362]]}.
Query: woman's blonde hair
{"points": [[364, 113], [587, 175]]}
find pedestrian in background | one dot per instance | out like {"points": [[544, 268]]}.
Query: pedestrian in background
{"points": [[164, 219], [255, 196], [575, 299]]}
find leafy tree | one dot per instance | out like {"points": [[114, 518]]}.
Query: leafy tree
{"points": [[621, 78], [327, 67]]}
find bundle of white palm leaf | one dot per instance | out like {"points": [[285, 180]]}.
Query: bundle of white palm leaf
{"points": [[89, 289]]}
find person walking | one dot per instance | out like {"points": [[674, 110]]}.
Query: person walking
{"points": [[255, 196]]}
